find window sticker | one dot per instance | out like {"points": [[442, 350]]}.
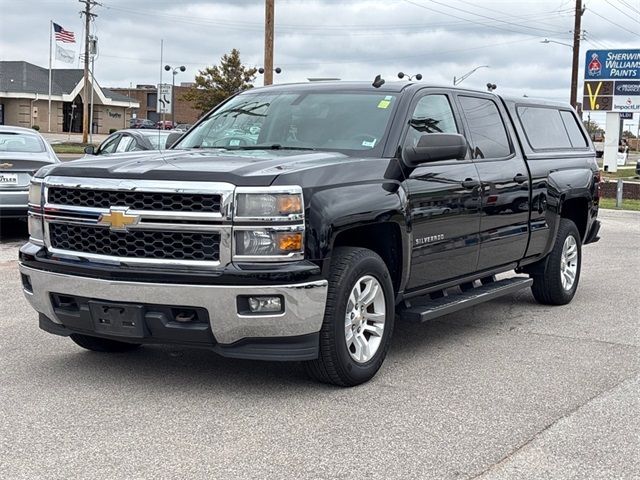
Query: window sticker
{"points": [[369, 144]]}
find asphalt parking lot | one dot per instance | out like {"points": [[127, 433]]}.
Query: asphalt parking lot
{"points": [[507, 390]]}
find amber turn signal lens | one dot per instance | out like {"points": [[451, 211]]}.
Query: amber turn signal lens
{"points": [[290, 242], [289, 204]]}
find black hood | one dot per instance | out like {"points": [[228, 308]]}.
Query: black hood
{"points": [[240, 167]]}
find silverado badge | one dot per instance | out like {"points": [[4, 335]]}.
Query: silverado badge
{"points": [[118, 219]]}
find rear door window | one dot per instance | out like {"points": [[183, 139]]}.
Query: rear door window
{"points": [[487, 134], [573, 129], [548, 128]]}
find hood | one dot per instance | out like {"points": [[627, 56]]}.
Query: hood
{"points": [[239, 167]]}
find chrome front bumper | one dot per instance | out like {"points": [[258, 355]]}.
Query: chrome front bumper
{"points": [[303, 311]]}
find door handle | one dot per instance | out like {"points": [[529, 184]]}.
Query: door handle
{"points": [[469, 183], [519, 178]]}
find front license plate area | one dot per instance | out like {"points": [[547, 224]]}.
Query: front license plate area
{"points": [[117, 319]]}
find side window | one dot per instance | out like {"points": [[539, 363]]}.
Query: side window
{"points": [[575, 133], [124, 144], [488, 137], [109, 146], [433, 114], [544, 128]]}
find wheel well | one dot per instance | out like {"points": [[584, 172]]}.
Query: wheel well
{"points": [[384, 239], [576, 210]]}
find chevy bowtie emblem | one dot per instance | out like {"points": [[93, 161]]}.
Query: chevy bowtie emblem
{"points": [[6, 165], [118, 219]]}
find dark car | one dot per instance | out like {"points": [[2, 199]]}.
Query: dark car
{"points": [[165, 125], [141, 123], [22, 152], [134, 141]]}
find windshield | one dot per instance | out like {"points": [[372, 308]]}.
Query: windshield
{"points": [[296, 120], [20, 142]]}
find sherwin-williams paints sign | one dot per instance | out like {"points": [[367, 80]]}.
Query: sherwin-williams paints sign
{"points": [[612, 80]]}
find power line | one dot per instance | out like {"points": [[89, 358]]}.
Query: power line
{"points": [[614, 23], [372, 60], [512, 17], [481, 16], [315, 30], [630, 7], [623, 12]]}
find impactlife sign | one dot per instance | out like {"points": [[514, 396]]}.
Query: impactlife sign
{"points": [[612, 80]]}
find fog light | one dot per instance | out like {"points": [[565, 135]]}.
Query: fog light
{"points": [[265, 304]]}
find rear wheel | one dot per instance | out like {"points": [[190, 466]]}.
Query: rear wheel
{"points": [[358, 321], [97, 344], [558, 282]]}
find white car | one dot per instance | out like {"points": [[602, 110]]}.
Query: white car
{"points": [[22, 152]]}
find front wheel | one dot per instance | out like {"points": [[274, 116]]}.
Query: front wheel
{"points": [[558, 282], [358, 321]]}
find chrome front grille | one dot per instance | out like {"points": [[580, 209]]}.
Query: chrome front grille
{"points": [[138, 221], [165, 201], [135, 243]]}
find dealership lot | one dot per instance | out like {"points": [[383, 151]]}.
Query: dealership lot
{"points": [[509, 389]]}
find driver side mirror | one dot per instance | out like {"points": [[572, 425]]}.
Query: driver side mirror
{"points": [[433, 147], [90, 150]]}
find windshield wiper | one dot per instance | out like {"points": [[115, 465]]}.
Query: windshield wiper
{"points": [[274, 146]]}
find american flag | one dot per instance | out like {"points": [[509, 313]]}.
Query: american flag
{"points": [[63, 35]]}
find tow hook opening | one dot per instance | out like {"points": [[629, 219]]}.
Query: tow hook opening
{"points": [[184, 315]]}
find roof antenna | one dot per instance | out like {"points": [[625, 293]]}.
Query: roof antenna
{"points": [[378, 82]]}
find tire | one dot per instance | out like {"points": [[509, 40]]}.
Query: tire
{"points": [[354, 268], [548, 287], [104, 345]]}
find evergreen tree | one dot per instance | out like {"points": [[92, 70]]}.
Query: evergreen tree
{"points": [[215, 84]]}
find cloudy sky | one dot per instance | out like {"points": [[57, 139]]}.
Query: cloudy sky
{"points": [[326, 38]]}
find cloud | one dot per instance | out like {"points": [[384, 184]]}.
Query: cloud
{"points": [[350, 40]]}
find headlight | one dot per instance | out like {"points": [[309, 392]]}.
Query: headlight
{"points": [[35, 193], [269, 243], [255, 237], [36, 229], [269, 206]]}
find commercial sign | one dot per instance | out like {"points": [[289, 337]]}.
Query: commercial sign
{"points": [[612, 80], [164, 98]]}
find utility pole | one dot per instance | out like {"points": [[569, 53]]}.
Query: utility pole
{"points": [[88, 5], [268, 41], [577, 33]]}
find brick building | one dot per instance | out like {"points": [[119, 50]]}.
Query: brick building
{"points": [[147, 97], [24, 100]]}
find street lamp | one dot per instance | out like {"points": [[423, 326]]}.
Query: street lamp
{"points": [[546, 40], [458, 80], [417, 76], [181, 68]]}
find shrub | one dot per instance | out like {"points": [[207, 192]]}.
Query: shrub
{"points": [[36, 128], [112, 130]]}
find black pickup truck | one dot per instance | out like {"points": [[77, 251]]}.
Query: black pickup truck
{"points": [[299, 222]]}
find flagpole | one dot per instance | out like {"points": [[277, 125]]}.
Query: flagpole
{"points": [[50, 55]]}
